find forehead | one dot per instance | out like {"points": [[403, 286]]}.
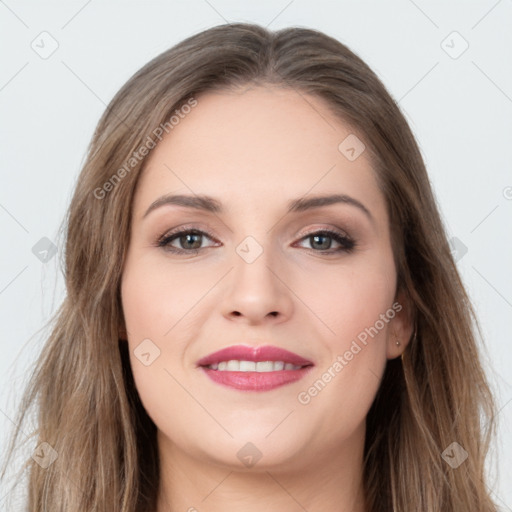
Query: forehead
{"points": [[257, 146]]}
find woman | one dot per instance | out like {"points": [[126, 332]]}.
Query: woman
{"points": [[215, 350]]}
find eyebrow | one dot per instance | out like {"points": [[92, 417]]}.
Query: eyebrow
{"points": [[210, 204]]}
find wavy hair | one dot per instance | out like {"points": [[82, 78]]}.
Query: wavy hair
{"points": [[82, 391]]}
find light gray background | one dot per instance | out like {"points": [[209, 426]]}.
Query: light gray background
{"points": [[460, 110]]}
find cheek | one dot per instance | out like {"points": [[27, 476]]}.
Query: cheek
{"points": [[151, 309], [160, 307], [356, 305], [351, 298], [158, 297]]}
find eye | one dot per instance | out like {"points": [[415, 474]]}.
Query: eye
{"points": [[322, 240], [189, 240]]}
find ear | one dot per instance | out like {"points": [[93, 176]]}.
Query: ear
{"points": [[401, 327]]}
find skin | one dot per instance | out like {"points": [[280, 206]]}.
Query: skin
{"points": [[254, 149]]}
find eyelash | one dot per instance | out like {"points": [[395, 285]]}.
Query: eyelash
{"points": [[347, 244]]}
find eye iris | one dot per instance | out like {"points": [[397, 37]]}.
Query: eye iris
{"points": [[316, 237], [187, 238]]}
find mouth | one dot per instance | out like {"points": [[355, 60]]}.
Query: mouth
{"points": [[234, 365], [254, 368]]}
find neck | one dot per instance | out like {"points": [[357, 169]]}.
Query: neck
{"points": [[327, 483]]}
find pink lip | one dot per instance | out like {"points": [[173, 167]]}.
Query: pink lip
{"points": [[257, 354], [255, 381]]}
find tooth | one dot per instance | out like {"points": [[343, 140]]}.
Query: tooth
{"points": [[233, 365], [264, 366], [247, 366]]}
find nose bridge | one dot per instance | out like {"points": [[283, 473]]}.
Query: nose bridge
{"points": [[257, 244], [254, 262]]}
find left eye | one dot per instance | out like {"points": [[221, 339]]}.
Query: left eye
{"points": [[190, 241], [319, 237]]}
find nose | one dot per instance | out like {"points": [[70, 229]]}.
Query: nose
{"points": [[257, 290]]}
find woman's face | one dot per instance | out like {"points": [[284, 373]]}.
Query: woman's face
{"points": [[264, 275]]}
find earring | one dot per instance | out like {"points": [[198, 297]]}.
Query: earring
{"points": [[397, 342]]}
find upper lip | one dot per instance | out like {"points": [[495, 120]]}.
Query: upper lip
{"points": [[248, 353]]}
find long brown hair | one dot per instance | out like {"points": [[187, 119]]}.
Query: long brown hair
{"points": [[82, 390]]}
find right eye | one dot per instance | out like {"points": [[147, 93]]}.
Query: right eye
{"points": [[189, 239]]}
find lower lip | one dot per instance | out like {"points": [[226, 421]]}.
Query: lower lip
{"points": [[256, 381]]}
